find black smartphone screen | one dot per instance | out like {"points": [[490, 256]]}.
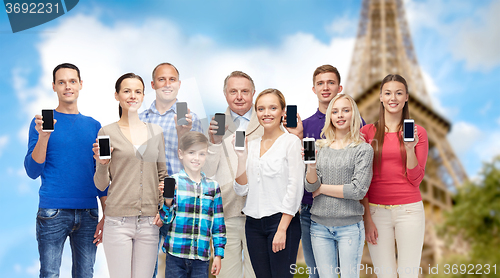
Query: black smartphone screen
{"points": [[220, 118], [169, 187], [104, 148], [48, 120], [291, 116], [182, 110], [309, 151], [240, 138], [408, 129]]}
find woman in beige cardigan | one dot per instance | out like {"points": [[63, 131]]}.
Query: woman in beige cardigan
{"points": [[134, 173]]}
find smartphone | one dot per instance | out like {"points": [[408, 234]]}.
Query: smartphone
{"points": [[309, 151], [220, 118], [182, 110], [104, 147], [169, 188], [291, 116], [408, 130], [239, 142], [48, 120]]}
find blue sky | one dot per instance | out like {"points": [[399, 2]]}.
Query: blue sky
{"points": [[279, 43]]}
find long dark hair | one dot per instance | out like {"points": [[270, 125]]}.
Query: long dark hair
{"points": [[378, 140], [118, 85]]}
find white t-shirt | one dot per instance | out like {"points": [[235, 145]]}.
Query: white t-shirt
{"points": [[275, 180]]}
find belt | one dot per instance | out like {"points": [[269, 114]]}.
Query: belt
{"points": [[385, 206]]}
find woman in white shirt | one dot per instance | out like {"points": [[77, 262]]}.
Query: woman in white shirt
{"points": [[270, 173]]}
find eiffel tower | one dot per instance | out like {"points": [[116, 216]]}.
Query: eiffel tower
{"points": [[384, 46]]}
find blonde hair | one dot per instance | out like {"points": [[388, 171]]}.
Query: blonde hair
{"points": [[328, 131], [276, 92]]}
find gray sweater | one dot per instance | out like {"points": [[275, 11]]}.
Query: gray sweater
{"points": [[352, 167]]}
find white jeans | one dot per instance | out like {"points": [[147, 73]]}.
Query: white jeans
{"points": [[232, 264], [406, 225], [131, 246]]}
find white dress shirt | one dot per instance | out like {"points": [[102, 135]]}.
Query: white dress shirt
{"points": [[275, 180], [243, 120]]}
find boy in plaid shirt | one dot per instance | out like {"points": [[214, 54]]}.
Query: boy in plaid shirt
{"points": [[195, 213]]}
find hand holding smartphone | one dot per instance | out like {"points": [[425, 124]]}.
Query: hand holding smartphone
{"points": [[182, 110], [309, 151], [104, 147], [169, 188], [291, 116], [220, 118], [239, 142], [48, 120], [408, 130]]}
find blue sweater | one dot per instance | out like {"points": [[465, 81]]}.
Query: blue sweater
{"points": [[68, 171]]}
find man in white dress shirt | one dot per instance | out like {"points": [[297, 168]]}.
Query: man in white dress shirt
{"points": [[222, 161]]}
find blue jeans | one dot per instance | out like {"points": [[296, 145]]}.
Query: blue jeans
{"points": [[346, 241], [163, 235], [185, 268], [53, 226], [260, 234], [305, 224]]}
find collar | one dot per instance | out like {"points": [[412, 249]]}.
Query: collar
{"points": [[184, 175], [152, 108], [247, 115], [319, 115]]}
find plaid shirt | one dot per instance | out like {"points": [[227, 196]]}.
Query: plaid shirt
{"points": [[167, 123], [196, 216]]}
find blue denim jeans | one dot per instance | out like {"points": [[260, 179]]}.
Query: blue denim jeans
{"points": [[305, 224], [346, 242], [163, 235], [185, 268], [260, 234], [53, 226]]}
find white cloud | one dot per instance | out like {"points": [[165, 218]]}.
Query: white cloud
{"points": [[464, 137], [344, 25], [103, 53], [434, 93], [478, 41], [489, 147], [3, 143], [471, 28]]}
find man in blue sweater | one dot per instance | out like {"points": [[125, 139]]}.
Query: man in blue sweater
{"points": [[64, 160]]}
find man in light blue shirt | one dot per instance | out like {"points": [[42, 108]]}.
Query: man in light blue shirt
{"points": [[163, 112], [239, 90]]}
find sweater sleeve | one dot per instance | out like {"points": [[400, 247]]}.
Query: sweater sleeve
{"points": [[33, 168], [161, 164], [416, 175], [363, 172], [218, 225]]}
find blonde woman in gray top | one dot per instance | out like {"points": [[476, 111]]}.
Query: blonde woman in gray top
{"points": [[339, 180], [134, 174]]}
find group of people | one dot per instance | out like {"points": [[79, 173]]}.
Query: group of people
{"points": [[251, 206]]}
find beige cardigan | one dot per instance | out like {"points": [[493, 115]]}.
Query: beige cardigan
{"points": [[222, 161], [134, 177]]}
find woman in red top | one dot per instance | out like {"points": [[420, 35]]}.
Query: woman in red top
{"points": [[393, 205]]}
